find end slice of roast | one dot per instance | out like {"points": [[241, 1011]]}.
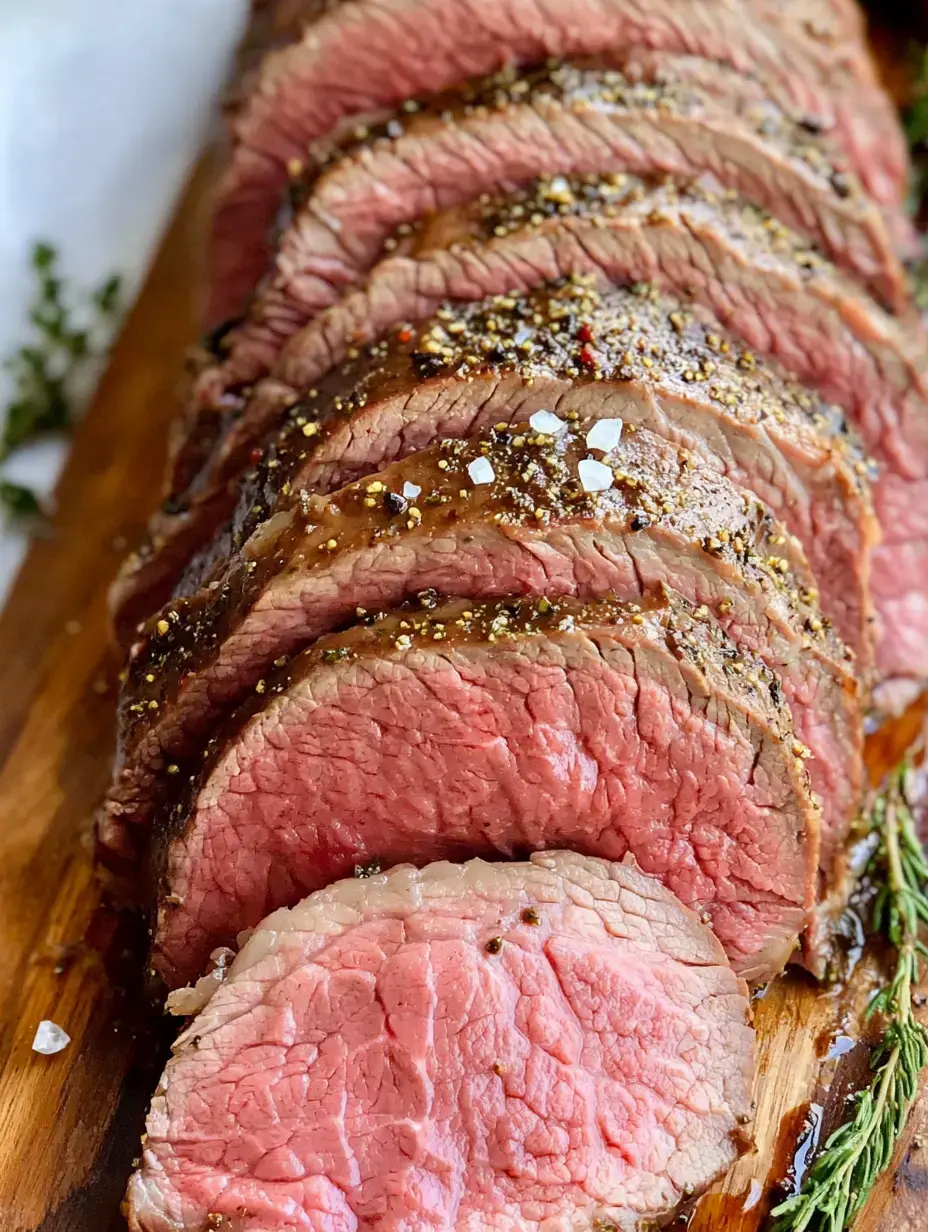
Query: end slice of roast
{"points": [[460, 729], [504, 514], [372, 54], [465, 1047]]}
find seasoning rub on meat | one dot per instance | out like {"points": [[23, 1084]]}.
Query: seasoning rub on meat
{"points": [[539, 529]]}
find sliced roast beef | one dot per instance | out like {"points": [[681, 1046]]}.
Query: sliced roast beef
{"points": [[627, 353], [298, 290], [295, 297], [516, 512], [569, 119], [374, 53], [760, 280], [647, 361], [507, 130], [419, 1049], [466, 729]]}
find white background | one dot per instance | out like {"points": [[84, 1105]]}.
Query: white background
{"points": [[103, 107]]}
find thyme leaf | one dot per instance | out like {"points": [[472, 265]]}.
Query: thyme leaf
{"points": [[840, 1180], [46, 372]]}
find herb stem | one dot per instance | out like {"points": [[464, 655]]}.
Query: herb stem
{"points": [[48, 372], [857, 1153], [895, 877]]}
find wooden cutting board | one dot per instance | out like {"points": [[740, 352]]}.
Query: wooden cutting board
{"points": [[70, 1124]]}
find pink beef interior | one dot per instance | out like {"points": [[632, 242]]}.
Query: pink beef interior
{"points": [[417, 1052], [590, 741]]}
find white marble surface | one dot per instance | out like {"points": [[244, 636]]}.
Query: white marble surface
{"points": [[103, 107]]}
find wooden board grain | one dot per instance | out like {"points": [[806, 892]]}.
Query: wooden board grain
{"points": [[70, 1124]]}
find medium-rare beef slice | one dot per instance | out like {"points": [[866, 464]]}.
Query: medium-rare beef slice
{"points": [[463, 729], [570, 119], [654, 368], [509, 513], [647, 361], [469, 1047], [254, 346], [761, 281], [375, 53], [756, 275]]}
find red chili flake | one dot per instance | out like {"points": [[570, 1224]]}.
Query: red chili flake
{"points": [[405, 334], [585, 333], [256, 454], [588, 357]]}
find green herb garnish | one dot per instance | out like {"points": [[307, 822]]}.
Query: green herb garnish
{"points": [[47, 371], [20, 501], [840, 1180]]}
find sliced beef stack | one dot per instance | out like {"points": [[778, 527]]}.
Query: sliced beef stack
{"points": [[368, 55], [559, 484], [518, 511]]}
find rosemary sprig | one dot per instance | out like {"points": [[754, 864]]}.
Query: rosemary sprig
{"points": [[840, 1180], [47, 372]]}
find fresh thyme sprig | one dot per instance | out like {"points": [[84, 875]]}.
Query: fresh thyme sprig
{"points": [[840, 1180], [47, 372], [19, 500]]}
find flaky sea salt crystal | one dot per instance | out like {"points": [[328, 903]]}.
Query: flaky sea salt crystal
{"points": [[49, 1038], [411, 490], [481, 471], [605, 434], [594, 476], [546, 422]]}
